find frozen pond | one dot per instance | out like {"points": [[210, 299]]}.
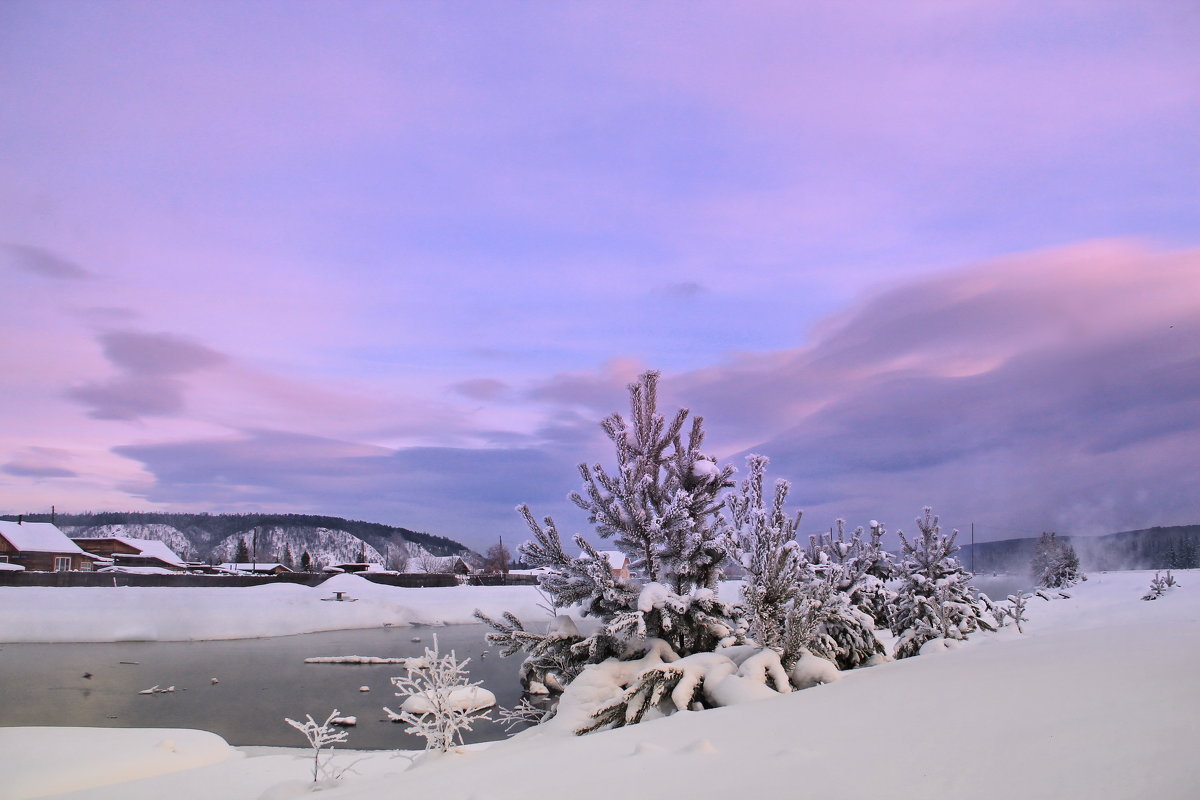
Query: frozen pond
{"points": [[261, 682]]}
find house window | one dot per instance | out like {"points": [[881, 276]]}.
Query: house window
{"points": [[86, 566], [3, 559], [62, 563]]}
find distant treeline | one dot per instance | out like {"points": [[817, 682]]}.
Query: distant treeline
{"points": [[1174, 547], [208, 528]]}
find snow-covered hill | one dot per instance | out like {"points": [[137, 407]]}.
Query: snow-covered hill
{"points": [[325, 546], [214, 537]]}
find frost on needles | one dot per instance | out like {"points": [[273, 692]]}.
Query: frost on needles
{"points": [[663, 640], [661, 506]]}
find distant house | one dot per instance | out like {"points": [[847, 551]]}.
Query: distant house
{"points": [[41, 547], [258, 568], [358, 566], [125, 552], [618, 562], [439, 565]]}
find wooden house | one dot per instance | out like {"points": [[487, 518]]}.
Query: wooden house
{"points": [[127, 552], [41, 547]]}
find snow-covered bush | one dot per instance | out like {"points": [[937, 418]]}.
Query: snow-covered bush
{"points": [[816, 601], [836, 595], [1055, 563], [1013, 612], [320, 736], [440, 700], [935, 598], [1159, 586], [661, 507]]}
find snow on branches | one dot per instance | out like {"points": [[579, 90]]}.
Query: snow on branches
{"points": [[440, 701], [661, 507], [764, 540], [935, 599], [320, 736], [1055, 563]]}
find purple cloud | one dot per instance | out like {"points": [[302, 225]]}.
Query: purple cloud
{"points": [[157, 353], [1010, 393], [40, 462], [469, 494], [147, 386], [40, 261], [481, 388]]}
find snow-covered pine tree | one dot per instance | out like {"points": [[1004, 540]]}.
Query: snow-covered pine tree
{"points": [[661, 506], [838, 588], [1055, 563], [241, 554], [764, 539], [935, 598], [871, 593]]}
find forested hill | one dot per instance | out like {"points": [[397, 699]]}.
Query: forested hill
{"points": [[1173, 547], [215, 536]]}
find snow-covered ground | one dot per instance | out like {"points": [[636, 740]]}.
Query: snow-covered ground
{"points": [[128, 613], [1098, 698]]}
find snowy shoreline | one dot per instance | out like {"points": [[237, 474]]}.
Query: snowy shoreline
{"points": [[119, 614], [1097, 699]]}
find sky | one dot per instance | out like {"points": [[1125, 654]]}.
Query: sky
{"points": [[396, 261]]}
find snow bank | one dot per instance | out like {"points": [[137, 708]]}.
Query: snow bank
{"points": [[1062, 711], [48, 761], [127, 613]]}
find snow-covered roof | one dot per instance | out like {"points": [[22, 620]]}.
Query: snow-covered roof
{"points": [[534, 571], [154, 549], [615, 558], [37, 537], [138, 570], [249, 566], [7, 567]]}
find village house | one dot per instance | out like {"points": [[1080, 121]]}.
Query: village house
{"points": [[41, 547], [125, 552], [258, 567], [452, 565], [618, 562]]}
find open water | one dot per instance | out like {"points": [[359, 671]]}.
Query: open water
{"points": [[261, 681]]}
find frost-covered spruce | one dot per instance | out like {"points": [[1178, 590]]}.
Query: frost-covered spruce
{"points": [[764, 540], [935, 599], [1055, 563], [661, 507], [839, 587], [871, 594]]}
